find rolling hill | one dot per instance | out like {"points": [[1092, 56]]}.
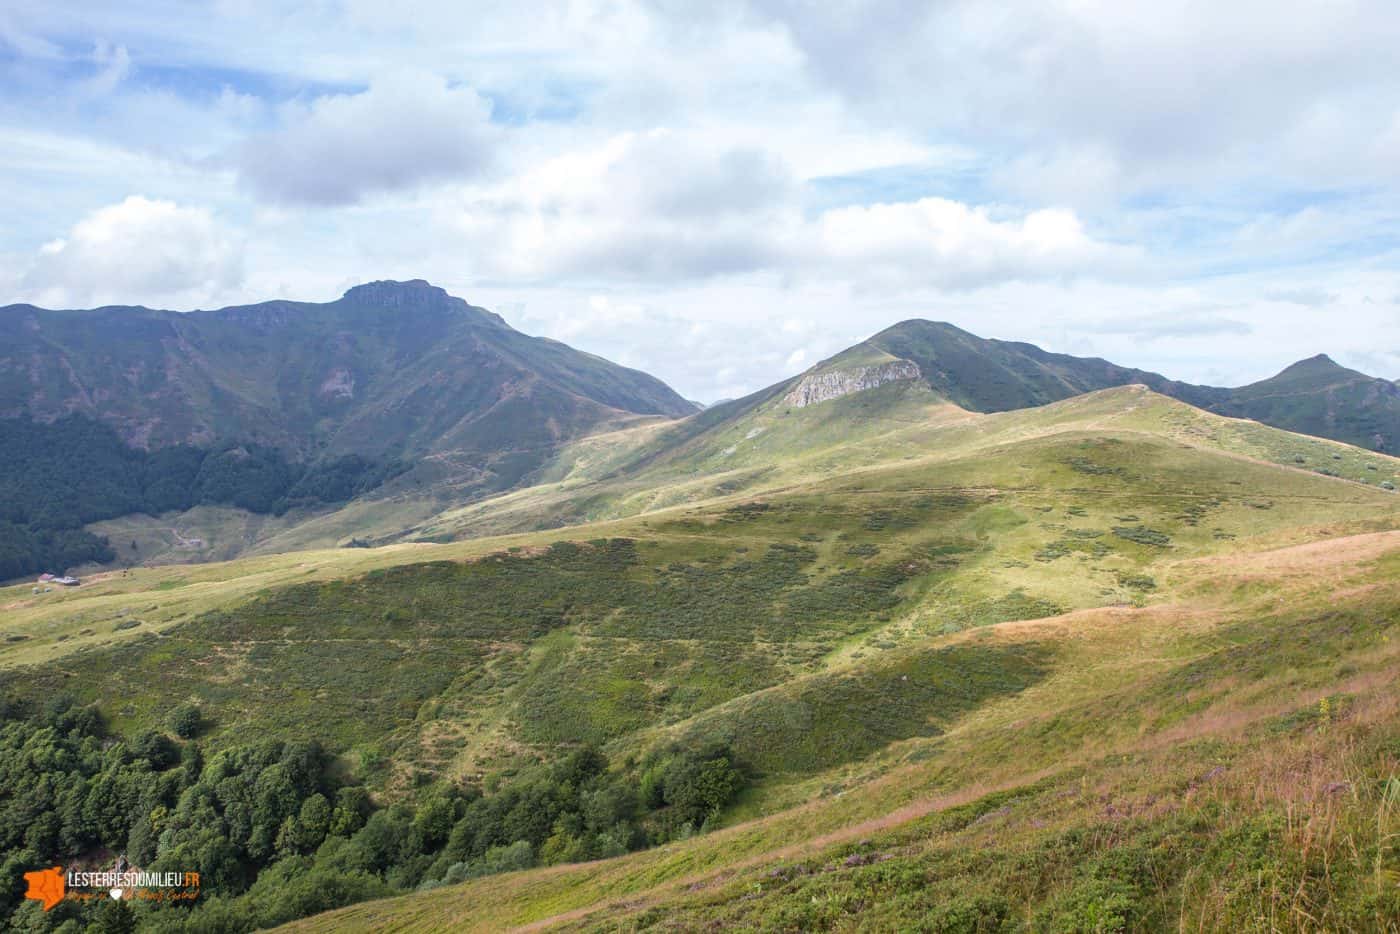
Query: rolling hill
{"points": [[385, 415], [1095, 642]]}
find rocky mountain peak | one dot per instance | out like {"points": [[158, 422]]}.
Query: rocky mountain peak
{"points": [[389, 293]]}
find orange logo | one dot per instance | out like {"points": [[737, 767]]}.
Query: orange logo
{"points": [[45, 886]]}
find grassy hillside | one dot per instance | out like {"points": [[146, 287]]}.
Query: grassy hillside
{"points": [[760, 444], [1224, 760], [1254, 472], [1314, 396], [909, 609]]}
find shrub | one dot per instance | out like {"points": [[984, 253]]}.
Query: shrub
{"points": [[1093, 905], [1137, 581], [156, 748], [186, 720], [699, 788], [1142, 535], [519, 855]]}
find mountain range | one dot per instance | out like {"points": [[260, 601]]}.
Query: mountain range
{"points": [[942, 633], [398, 389], [1314, 396], [404, 369]]}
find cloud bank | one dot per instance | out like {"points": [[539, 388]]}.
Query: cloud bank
{"points": [[1184, 186]]}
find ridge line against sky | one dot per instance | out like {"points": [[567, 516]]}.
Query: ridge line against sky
{"points": [[724, 195]]}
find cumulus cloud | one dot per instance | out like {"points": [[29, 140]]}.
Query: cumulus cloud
{"points": [[706, 360], [666, 206], [403, 131], [647, 206], [954, 245], [138, 250], [758, 177]]}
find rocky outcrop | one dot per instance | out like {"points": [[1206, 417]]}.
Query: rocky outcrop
{"points": [[833, 384], [339, 384]]}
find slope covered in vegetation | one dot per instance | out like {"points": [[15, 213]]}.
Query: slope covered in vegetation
{"points": [[1227, 759], [1313, 396], [57, 478], [846, 629]]}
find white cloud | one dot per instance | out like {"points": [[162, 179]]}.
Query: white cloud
{"points": [[650, 206], [675, 333], [1180, 91], [672, 206], [601, 313], [404, 130], [1311, 297], [139, 250], [1170, 324], [946, 243]]}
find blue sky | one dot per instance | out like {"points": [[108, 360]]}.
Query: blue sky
{"points": [[724, 193]]}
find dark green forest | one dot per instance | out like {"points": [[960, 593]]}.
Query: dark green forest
{"points": [[277, 831], [56, 477]]}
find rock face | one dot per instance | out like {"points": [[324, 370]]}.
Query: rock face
{"points": [[823, 387]]}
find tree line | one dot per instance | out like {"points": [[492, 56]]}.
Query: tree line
{"points": [[57, 477], [277, 832]]}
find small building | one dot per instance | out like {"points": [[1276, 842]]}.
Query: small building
{"points": [[67, 581], [45, 578]]}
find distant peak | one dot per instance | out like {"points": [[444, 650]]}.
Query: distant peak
{"points": [[392, 292], [415, 295], [918, 325], [1320, 363]]}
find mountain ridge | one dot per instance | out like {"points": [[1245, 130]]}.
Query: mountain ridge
{"points": [[1313, 396], [347, 376]]}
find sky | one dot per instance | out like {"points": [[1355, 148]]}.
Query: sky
{"points": [[724, 193]]}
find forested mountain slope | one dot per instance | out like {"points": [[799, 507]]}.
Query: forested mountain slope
{"points": [[273, 406]]}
